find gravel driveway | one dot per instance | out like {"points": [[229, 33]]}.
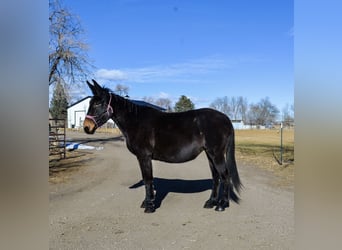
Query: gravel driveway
{"points": [[98, 206]]}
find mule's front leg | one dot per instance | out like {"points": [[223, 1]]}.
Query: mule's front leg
{"points": [[146, 171]]}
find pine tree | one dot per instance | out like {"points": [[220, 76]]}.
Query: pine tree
{"points": [[184, 104], [59, 103]]}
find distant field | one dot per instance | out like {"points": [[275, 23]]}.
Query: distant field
{"points": [[262, 148], [265, 142], [265, 136], [261, 143]]}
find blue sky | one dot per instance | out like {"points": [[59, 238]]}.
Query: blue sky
{"points": [[201, 49]]}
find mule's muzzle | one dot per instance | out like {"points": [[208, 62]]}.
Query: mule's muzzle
{"points": [[89, 126], [88, 130]]}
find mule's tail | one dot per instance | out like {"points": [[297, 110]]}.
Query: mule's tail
{"points": [[232, 168]]}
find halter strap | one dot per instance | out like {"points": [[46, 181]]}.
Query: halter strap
{"points": [[92, 118], [109, 107]]}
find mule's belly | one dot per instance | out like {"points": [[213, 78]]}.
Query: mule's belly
{"points": [[177, 155], [177, 144]]}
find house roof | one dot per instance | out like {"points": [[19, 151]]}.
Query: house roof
{"points": [[147, 104], [85, 98], [236, 120]]}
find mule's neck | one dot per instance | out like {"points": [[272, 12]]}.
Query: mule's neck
{"points": [[125, 113]]}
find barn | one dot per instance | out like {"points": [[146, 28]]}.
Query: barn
{"points": [[78, 110]]}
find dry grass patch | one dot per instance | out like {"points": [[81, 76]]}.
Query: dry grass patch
{"points": [[60, 170], [262, 148]]}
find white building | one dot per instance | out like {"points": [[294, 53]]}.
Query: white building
{"points": [[239, 124], [77, 112]]}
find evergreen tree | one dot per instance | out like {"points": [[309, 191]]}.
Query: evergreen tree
{"points": [[59, 103], [184, 104]]}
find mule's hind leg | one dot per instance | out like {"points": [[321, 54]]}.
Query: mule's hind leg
{"points": [[219, 163], [146, 171], [213, 200], [224, 200]]}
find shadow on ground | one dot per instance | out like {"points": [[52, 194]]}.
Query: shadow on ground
{"points": [[165, 186]]}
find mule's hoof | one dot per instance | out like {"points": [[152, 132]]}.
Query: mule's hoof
{"points": [[149, 206], [149, 210], [210, 204], [221, 206], [143, 205]]}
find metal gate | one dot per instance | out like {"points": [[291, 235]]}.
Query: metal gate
{"points": [[57, 131]]}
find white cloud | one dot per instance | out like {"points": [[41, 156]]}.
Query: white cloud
{"points": [[163, 95], [113, 74], [183, 71], [159, 72]]}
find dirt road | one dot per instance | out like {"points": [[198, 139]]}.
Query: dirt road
{"points": [[98, 206]]}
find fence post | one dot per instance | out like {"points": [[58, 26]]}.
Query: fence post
{"points": [[281, 143]]}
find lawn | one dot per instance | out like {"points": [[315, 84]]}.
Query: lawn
{"points": [[262, 148], [265, 143]]}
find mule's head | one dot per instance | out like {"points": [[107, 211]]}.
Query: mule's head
{"points": [[100, 109]]}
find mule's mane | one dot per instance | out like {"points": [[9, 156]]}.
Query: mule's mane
{"points": [[125, 104]]}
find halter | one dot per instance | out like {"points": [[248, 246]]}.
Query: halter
{"points": [[110, 107], [109, 111]]}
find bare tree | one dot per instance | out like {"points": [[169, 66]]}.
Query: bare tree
{"points": [[243, 108], [149, 99], [164, 103], [288, 115], [222, 104], [252, 115], [234, 107], [161, 102], [68, 59], [121, 89], [263, 113], [238, 106]]}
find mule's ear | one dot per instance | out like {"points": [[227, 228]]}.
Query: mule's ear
{"points": [[97, 89], [97, 86], [92, 88]]}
